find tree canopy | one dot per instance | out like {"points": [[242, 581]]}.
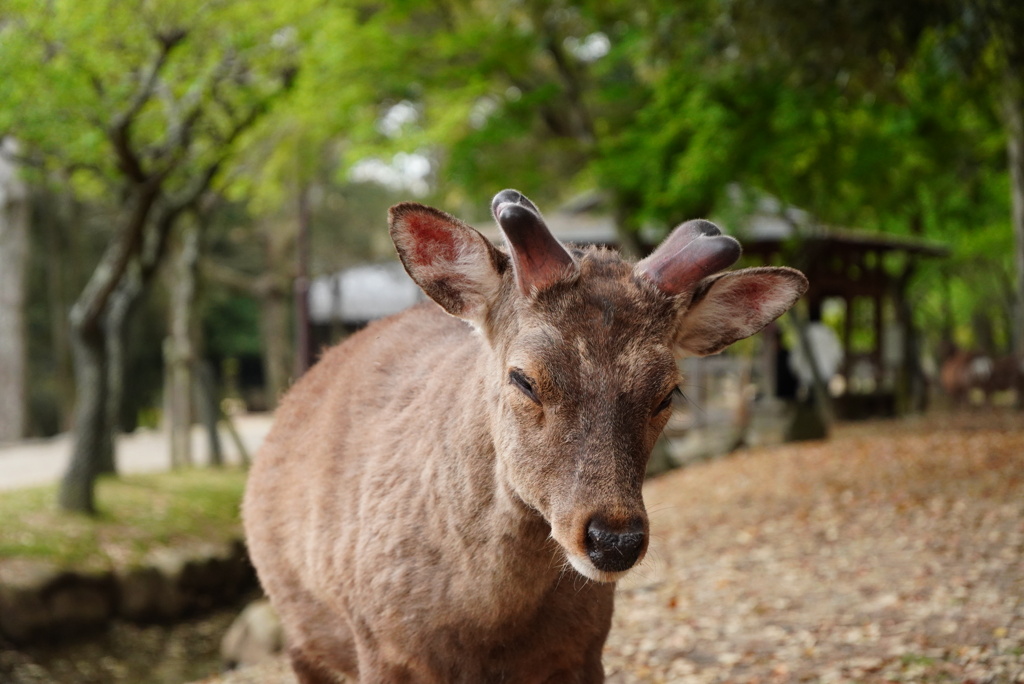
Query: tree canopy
{"points": [[902, 118]]}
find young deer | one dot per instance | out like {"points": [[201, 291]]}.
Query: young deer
{"points": [[432, 490]]}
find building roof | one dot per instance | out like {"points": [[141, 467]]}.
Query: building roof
{"points": [[362, 293], [768, 233]]}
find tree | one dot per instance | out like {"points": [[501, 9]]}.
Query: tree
{"points": [[634, 98], [14, 219], [148, 104], [874, 47]]}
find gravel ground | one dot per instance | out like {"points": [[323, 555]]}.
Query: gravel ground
{"points": [[890, 553]]}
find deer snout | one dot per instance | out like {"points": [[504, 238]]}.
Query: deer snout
{"points": [[615, 548]]}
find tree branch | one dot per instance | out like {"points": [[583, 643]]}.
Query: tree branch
{"points": [[230, 278], [243, 283], [92, 302], [185, 113], [204, 179], [119, 131]]}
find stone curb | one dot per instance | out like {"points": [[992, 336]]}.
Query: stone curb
{"points": [[42, 602]]}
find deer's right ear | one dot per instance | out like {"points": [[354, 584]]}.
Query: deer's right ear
{"points": [[454, 264]]}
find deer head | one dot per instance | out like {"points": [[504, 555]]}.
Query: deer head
{"points": [[582, 349]]}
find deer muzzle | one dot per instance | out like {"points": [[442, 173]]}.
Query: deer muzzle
{"points": [[603, 547]]}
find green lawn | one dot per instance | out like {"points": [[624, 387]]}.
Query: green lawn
{"points": [[137, 513]]}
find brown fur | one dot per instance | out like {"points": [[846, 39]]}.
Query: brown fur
{"points": [[413, 513]]}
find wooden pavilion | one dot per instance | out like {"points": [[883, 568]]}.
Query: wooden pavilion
{"points": [[866, 275]]}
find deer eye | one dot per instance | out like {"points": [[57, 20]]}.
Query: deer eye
{"points": [[667, 401], [523, 384]]}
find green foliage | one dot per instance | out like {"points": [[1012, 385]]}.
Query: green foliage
{"points": [[864, 113], [231, 326], [139, 513], [96, 60]]}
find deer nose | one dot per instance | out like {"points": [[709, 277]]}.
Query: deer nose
{"points": [[614, 550]]}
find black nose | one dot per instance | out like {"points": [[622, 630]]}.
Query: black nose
{"points": [[614, 550]]}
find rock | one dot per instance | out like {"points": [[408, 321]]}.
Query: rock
{"points": [[23, 610], [191, 580], [140, 594], [170, 564], [239, 574], [254, 637], [38, 600], [79, 602]]}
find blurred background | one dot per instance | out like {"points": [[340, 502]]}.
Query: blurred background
{"points": [[193, 200]]}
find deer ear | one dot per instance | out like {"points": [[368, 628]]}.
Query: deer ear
{"points": [[735, 305], [454, 264]]}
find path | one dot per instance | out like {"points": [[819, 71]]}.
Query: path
{"points": [[43, 461], [893, 552]]}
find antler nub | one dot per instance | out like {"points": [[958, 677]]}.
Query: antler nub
{"points": [[538, 259], [692, 252]]}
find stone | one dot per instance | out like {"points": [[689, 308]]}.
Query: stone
{"points": [[40, 601], [80, 602], [140, 594], [254, 637], [23, 611], [170, 564]]}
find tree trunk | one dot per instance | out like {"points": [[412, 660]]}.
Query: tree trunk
{"points": [[14, 217], [1013, 115], [92, 446], [180, 348], [819, 399], [208, 405], [205, 393], [88, 343], [911, 387], [303, 350], [274, 329], [63, 267], [116, 324]]}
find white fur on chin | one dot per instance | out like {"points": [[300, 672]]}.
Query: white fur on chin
{"points": [[587, 569]]}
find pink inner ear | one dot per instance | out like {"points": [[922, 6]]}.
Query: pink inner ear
{"points": [[432, 239], [752, 293]]}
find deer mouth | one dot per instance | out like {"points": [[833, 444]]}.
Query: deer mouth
{"points": [[585, 567]]}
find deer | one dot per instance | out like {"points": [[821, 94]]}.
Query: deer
{"points": [[452, 493], [964, 372]]}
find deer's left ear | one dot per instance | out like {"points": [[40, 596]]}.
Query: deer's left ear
{"points": [[732, 306]]}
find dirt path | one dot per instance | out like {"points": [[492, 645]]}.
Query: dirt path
{"points": [[43, 461], [890, 553]]}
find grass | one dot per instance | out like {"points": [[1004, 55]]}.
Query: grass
{"points": [[136, 514]]}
